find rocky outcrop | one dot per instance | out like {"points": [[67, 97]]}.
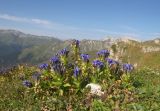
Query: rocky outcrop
{"points": [[150, 49], [157, 41]]}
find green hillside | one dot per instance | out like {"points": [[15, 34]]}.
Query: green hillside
{"points": [[18, 47]]}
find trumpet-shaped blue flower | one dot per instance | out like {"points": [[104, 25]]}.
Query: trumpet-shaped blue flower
{"points": [[76, 43], [104, 53], [98, 63], [76, 71], [27, 83], [64, 52], [55, 60], [111, 61], [43, 66], [85, 57], [127, 67]]}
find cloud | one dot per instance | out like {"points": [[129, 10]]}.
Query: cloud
{"points": [[60, 30], [26, 20], [39, 21], [13, 18]]}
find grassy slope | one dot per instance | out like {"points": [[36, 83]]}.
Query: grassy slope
{"points": [[31, 49], [134, 54]]}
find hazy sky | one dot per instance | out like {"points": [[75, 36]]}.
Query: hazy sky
{"points": [[83, 19]]}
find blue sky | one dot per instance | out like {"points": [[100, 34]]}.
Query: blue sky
{"points": [[83, 19]]}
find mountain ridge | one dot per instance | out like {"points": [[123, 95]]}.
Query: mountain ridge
{"points": [[18, 47], [116, 38]]}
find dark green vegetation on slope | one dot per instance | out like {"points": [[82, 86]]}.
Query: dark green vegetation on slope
{"points": [[17, 47]]}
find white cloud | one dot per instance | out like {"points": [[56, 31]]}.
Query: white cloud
{"points": [[13, 18], [59, 30], [39, 21], [22, 19]]}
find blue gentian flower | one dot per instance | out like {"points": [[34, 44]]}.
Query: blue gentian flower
{"points": [[43, 66], [98, 63], [56, 64], [27, 83], [64, 52], [76, 43], [36, 76], [76, 71], [127, 67], [111, 61], [55, 60], [104, 53], [85, 57]]}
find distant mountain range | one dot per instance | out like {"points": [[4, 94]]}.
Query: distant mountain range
{"points": [[17, 47]]}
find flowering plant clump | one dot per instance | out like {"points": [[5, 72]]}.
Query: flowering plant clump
{"points": [[78, 84]]}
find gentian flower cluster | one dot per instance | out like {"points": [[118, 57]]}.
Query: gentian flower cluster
{"points": [[111, 61], [69, 77], [43, 66], [98, 64], [103, 53], [27, 83], [85, 57], [127, 67]]}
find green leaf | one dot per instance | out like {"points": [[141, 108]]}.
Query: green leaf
{"points": [[57, 83], [67, 85]]}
